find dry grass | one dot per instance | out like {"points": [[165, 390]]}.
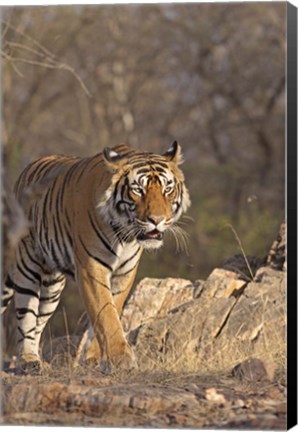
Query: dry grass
{"points": [[214, 361]]}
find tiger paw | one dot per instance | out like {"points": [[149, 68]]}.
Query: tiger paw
{"points": [[87, 360], [127, 361], [92, 361], [124, 360], [29, 364], [92, 355]]}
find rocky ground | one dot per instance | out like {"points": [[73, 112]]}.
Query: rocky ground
{"points": [[146, 400], [211, 354]]}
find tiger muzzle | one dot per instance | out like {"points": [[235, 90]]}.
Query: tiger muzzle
{"points": [[151, 235]]}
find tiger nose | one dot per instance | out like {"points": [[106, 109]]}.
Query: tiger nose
{"points": [[155, 219]]}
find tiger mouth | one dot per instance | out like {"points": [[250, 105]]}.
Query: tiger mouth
{"points": [[151, 235]]}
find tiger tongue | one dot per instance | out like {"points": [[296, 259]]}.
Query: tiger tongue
{"points": [[154, 234]]}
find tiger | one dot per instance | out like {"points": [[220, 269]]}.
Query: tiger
{"points": [[91, 222]]}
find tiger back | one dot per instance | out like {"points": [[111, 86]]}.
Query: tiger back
{"points": [[91, 221]]}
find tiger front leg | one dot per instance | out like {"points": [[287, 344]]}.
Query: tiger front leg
{"points": [[89, 350], [115, 352]]}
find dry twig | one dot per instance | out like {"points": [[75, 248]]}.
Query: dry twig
{"points": [[46, 58]]}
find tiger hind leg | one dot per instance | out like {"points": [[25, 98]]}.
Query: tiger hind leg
{"points": [[24, 279], [26, 308], [51, 289]]}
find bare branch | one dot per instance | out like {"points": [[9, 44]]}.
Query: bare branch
{"points": [[29, 38], [48, 62], [15, 68]]}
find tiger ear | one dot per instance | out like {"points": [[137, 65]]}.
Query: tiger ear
{"points": [[111, 158], [174, 154]]}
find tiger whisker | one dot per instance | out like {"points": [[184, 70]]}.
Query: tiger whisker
{"points": [[125, 232], [186, 217], [181, 223], [130, 233], [181, 238]]}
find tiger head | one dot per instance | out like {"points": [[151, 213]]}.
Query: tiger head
{"points": [[147, 193]]}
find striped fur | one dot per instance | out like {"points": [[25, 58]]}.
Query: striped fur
{"points": [[91, 221]]}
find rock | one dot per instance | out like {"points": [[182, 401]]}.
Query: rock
{"points": [[229, 320], [222, 283], [250, 370], [117, 403], [157, 399], [155, 298], [269, 275], [261, 311], [198, 288], [178, 340], [245, 267], [213, 396]]}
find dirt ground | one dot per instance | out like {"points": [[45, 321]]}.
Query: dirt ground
{"points": [[85, 397]]}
